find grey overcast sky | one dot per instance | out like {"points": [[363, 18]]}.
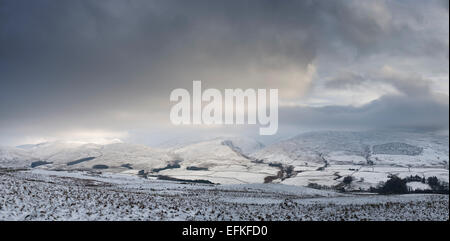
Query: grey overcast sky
{"points": [[97, 70]]}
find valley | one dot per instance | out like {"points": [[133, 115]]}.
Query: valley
{"points": [[310, 159]]}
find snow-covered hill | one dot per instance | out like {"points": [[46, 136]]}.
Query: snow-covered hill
{"points": [[326, 157], [115, 157], [315, 158], [221, 160], [242, 144], [15, 157]]}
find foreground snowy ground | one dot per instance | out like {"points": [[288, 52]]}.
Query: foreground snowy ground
{"points": [[60, 195]]}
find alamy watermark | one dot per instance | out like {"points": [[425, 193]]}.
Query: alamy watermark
{"points": [[232, 109]]}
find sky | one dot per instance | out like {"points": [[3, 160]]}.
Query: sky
{"points": [[100, 70]]}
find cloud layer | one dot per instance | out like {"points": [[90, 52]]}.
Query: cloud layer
{"points": [[110, 65]]}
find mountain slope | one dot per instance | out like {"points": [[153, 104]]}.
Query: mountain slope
{"points": [[326, 157], [220, 161]]}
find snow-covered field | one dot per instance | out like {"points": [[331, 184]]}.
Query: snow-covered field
{"points": [[36, 194]]}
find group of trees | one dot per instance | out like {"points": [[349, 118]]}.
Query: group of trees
{"points": [[347, 180], [394, 185], [397, 185]]}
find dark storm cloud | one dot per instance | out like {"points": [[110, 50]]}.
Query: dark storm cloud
{"points": [[410, 84], [346, 80], [112, 64], [70, 53], [388, 112], [415, 106], [445, 3]]}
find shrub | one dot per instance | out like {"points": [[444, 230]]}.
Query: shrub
{"points": [[415, 178], [394, 185], [433, 181], [348, 179]]}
